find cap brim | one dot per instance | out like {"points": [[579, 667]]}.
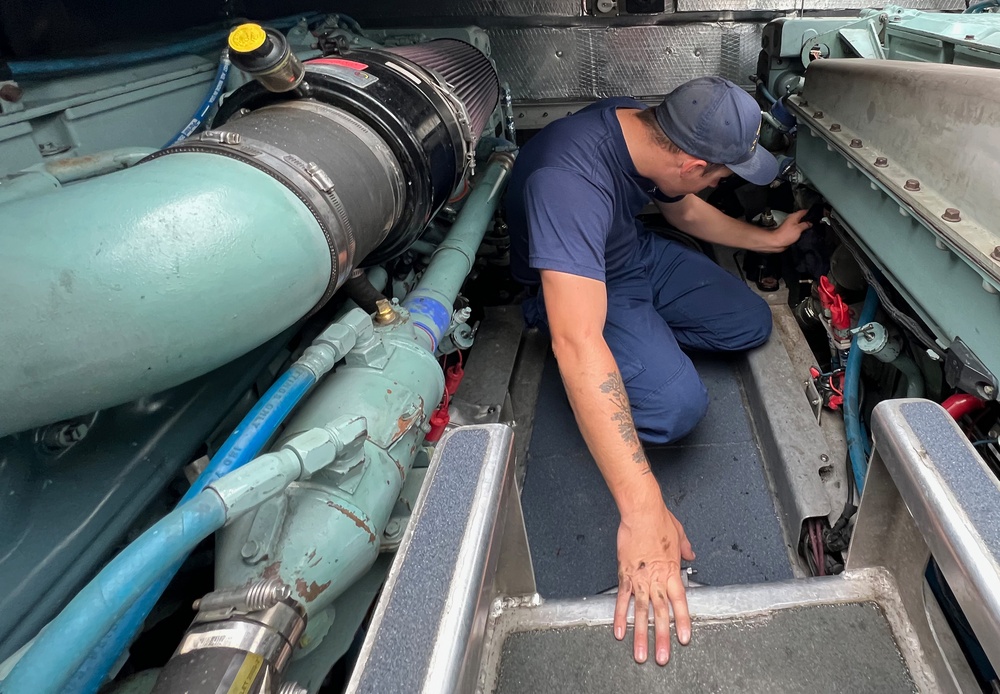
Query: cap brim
{"points": [[760, 169]]}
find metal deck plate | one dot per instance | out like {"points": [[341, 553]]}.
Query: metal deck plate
{"points": [[849, 648]]}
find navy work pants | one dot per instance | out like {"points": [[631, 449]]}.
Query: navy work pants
{"points": [[679, 299]]}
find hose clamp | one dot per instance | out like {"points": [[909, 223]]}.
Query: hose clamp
{"points": [[307, 181]]}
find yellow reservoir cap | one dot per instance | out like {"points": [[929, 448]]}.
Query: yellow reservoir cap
{"points": [[246, 38]]}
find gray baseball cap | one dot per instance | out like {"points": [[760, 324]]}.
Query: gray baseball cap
{"points": [[713, 119]]}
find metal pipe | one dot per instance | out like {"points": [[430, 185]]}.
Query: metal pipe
{"points": [[430, 303], [130, 283], [911, 374]]}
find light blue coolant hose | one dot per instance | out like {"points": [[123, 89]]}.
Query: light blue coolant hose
{"points": [[62, 646], [242, 446], [856, 438]]}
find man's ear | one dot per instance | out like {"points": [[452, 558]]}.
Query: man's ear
{"points": [[693, 167]]}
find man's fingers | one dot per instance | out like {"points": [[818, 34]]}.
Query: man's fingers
{"points": [[641, 626], [661, 623], [678, 601], [621, 606], [687, 551]]}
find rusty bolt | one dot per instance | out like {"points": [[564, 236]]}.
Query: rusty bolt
{"points": [[996, 253], [818, 114], [952, 215], [11, 92], [856, 143], [835, 128], [912, 184], [881, 162], [803, 103], [970, 37]]}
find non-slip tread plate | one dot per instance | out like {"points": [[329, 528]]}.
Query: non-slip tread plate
{"points": [[712, 480], [820, 649]]}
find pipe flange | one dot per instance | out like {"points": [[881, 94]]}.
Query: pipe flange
{"points": [[308, 182]]}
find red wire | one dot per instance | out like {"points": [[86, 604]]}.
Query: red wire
{"points": [[835, 389]]}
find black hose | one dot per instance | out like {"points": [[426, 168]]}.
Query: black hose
{"points": [[360, 290]]}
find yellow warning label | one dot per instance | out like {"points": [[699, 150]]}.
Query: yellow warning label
{"points": [[246, 38], [247, 673]]}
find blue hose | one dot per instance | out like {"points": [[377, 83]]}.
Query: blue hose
{"points": [[36, 69], [62, 646], [856, 439], [242, 446], [213, 95], [766, 93]]}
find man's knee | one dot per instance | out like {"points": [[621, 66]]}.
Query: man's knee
{"points": [[757, 326], [671, 411]]}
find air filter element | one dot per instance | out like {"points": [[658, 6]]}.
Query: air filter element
{"points": [[464, 70]]}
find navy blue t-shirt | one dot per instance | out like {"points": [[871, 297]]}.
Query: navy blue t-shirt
{"points": [[573, 197]]}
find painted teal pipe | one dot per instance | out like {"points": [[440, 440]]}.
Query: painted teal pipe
{"points": [[430, 303], [127, 284]]}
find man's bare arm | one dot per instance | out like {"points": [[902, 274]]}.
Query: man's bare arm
{"points": [[694, 216], [651, 541]]}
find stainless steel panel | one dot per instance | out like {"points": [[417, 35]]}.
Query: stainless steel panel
{"points": [[954, 501], [541, 63], [589, 63], [829, 5], [364, 10]]}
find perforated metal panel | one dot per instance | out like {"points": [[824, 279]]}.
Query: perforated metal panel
{"points": [[587, 63], [365, 10], [829, 5]]}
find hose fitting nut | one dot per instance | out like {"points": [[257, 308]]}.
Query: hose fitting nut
{"points": [[386, 314]]}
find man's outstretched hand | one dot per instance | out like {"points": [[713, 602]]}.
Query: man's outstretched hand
{"points": [[788, 233], [650, 548]]}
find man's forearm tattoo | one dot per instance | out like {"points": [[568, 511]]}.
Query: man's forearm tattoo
{"points": [[623, 415]]}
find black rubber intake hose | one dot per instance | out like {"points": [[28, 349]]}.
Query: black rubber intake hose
{"points": [[418, 110]]}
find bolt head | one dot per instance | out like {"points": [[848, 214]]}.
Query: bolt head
{"points": [[912, 184], [856, 143], [817, 115], [835, 128], [970, 37], [996, 253], [11, 92], [881, 162], [989, 390], [952, 215], [249, 549]]}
